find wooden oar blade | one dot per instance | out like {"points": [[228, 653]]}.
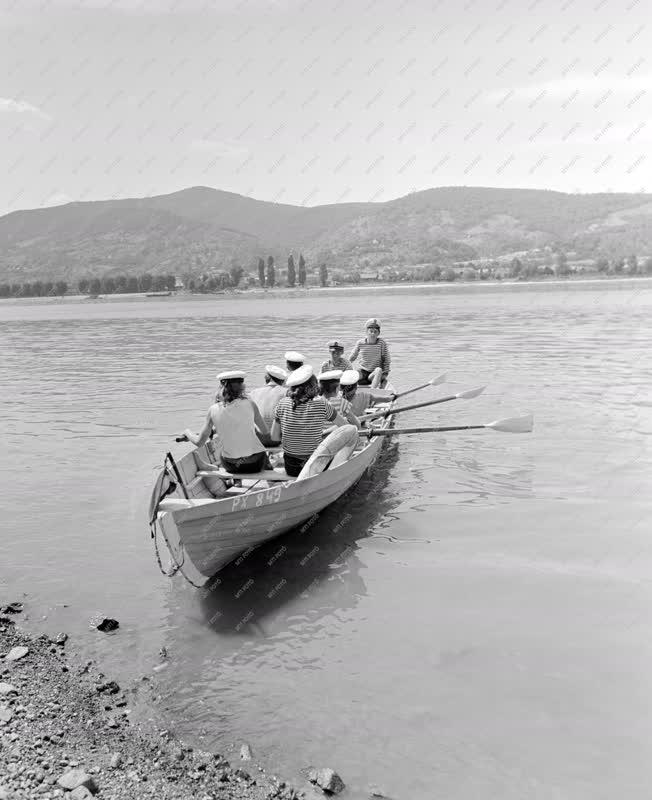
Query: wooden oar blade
{"points": [[513, 425], [439, 379], [470, 393]]}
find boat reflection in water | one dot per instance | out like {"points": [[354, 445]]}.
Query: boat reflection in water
{"points": [[262, 581]]}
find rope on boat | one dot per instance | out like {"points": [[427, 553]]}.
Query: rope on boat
{"points": [[154, 531]]}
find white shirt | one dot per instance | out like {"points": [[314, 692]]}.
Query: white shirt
{"points": [[234, 425], [266, 398]]}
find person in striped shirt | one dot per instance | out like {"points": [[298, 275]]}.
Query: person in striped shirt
{"points": [[299, 419], [329, 383], [374, 356]]}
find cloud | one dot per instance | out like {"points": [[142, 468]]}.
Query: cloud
{"points": [[222, 148], [580, 84], [10, 106]]}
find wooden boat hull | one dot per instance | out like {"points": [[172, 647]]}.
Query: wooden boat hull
{"points": [[211, 533]]}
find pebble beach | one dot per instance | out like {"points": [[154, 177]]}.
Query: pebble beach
{"points": [[66, 731]]}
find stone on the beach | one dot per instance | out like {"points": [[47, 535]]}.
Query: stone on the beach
{"points": [[327, 779], [6, 714], [177, 753], [4, 794], [7, 688], [81, 793], [107, 625], [245, 752], [60, 639], [16, 652], [116, 760], [77, 777]]}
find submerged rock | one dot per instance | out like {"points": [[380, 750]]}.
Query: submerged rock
{"points": [[327, 779], [107, 625], [12, 608]]}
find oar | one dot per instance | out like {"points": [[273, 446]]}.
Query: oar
{"points": [[432, 382], [510, 425], [467, 395]]}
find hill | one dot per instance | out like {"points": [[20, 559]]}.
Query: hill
{"points": [[201, 229]]}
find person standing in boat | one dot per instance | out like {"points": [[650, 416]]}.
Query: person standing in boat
{"points": [[235, 419], [337, 360], [329, 383], [294, 360], [266, 397], [361, 397], [300, 418], [374, 356]]}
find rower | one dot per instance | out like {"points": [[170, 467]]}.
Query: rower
{"points": [[235, 419], [329, 383], [337, 360], [294, 360], [300, 417], [361, 397], [266, 397], [374, 356]]}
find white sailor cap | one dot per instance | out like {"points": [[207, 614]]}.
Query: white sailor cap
{"points": [[349, 377], [232, 375], [276, 372], [296, 358], [330, 375], [374, 322], [299, 376]]}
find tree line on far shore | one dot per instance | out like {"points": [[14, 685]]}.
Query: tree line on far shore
{"points": [[132, 284], [120, 284]]}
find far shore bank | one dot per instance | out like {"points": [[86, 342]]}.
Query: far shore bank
{"points": [[352, 289]]}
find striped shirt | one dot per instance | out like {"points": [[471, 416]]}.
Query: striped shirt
{"points": [[327, 366], [372, 355], [301, 428], [266, 398]]}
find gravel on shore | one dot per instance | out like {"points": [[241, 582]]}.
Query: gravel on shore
{"points": [[65, 731]]}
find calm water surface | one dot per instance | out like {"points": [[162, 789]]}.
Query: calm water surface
{"points": [[473, 621]]}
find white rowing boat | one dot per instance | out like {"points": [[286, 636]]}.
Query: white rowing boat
{"points": [[204, 533]]}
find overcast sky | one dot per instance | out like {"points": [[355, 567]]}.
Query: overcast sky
{"points": [[311, 101]]}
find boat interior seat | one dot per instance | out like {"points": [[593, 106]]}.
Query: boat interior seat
{"points": [[271, 475]]}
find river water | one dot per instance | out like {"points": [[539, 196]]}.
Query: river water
{"points": [[474, 620]]}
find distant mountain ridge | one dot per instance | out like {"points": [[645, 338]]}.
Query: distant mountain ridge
{"points": [[201, 230]]}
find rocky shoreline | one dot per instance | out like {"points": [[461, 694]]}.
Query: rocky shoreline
{"points": [[65, 731]]}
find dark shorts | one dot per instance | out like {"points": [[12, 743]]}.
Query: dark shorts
{"points": [[364, 378], [294, 464], [242, 466]]}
